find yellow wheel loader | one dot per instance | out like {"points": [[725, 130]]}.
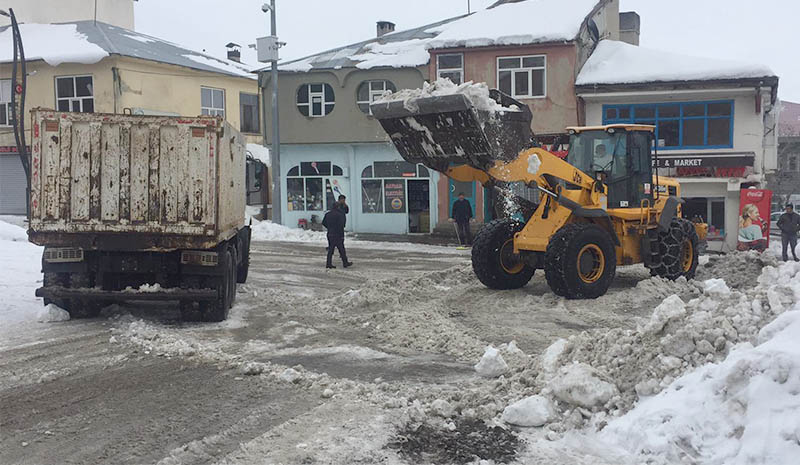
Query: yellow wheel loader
{"points": [[577, 219]]}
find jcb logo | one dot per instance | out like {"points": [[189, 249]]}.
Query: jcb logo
{"points": [[576, 178]]}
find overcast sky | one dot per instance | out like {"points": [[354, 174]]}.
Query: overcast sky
{"points": [[763, 32]]}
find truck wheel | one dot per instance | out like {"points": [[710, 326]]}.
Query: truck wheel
{"points": [[56, 280], [82, 308], [244, 267], [493, 258], [217, 310], [190, 311], [233, 277], [580, 261], [678, 252]]}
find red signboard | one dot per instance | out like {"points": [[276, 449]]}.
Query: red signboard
{"points": [[754, 210]]}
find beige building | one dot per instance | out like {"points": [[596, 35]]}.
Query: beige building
{"points": [[115, 12], [96, 67]]}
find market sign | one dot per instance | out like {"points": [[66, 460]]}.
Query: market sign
{"points": [[394, 191], [738, 160]]}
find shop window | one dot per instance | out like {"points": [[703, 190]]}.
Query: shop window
{"points": [[315, 100], [294, 171], [337, 170], [372, 196], [690, 125], [367, 172], [450, 66], [395, 169], [423, 172], [75, 93], [314, 194], [710, 211], [294, 194], [248, 109], [315, 168], [305, 185], [5, 102], [212, 102], [394, 192], [522, 76], [369, 91]]}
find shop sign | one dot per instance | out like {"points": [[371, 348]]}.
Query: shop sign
{"points": [[395, 194], [754, 211], [701, 161]]}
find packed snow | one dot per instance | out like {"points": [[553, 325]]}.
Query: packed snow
{"points": [[22, 274], [491, 365], [477, 93], [534, 163], [614, 62], [53, 43], [51, 313], [401, 54], [223, 65]]}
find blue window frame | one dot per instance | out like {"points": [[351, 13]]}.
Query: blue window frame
{"points": [[684, 125]]}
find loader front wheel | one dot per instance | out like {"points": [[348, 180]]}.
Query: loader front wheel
{"points": [[580, 261], [678, 252], [493, 259]]}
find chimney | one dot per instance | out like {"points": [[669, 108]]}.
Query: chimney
{"points": [[385, 27], [629, 27], [234, 52]]}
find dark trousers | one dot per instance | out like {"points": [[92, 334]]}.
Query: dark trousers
{"points": [[788, 241], [336, 243], [464, 233]]}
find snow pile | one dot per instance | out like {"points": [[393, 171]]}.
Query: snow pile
{"points": [[534, 162], [741, 410], [615, 62], [260, 153], [269, 231], [53, 43], [398, 54], [530, 411], [491, 365], [22, 274], [515, 24], [12, 233], [579, 384], [477, 93], [51, 313]]}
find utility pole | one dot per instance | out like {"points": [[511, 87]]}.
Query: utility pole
{"points": [[277, 203], [469, 9]]}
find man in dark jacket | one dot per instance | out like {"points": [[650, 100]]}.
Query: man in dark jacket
{"points": [[462, 214], [335, 221], [789, 224]]}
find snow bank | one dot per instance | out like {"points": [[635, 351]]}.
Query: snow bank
{"points": [[619, 63], [20, 277], [269, 231], [579, 384], [530, 411], [51, 313], [477, 93], [12, 233], [53, 43], [260, 153], [532, 21]]}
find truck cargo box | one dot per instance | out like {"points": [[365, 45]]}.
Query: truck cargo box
{"points": [[125, 182]]}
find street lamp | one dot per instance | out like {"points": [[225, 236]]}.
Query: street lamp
{"points": [[267, 48]]}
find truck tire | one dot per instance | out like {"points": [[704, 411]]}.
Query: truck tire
{"points": [[82, 308], [493, 260], [678, 252], [217, 310], [580, 261], [190, 311], [56, 280], [244, 266]]}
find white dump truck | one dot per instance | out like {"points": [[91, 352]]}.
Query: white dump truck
{"points": [[138, 208]]}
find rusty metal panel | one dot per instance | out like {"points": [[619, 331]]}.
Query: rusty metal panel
{"points": [[125, 174]]}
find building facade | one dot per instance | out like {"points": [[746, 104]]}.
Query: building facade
{"points": [[715, 123], [785, 182], [107, 69]]}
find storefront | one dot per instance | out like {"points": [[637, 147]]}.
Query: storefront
{"points": [[385, 194]]}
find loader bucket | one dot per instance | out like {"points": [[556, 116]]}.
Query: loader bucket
{"points": [[442, 130]]}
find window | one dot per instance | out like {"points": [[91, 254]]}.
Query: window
{"points": [[315, 100], [387, 194], [304, 186], [5, 102], [691, 125], [248, 109], [522, 76], [212, 102], [372, 196], [793, 163], [450, 66], [75, 93], [369, 91], [394, 193], [710, 211]]}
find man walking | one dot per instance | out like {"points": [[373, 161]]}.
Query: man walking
{"points": [[462, 214], [335, 221], [789, 224]]}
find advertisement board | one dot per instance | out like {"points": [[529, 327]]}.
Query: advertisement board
{"points": [[754, 210]]}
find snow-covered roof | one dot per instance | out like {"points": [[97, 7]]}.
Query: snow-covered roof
{"points": [[616, 62], [521, 23], [88, 42], [260, 153]]}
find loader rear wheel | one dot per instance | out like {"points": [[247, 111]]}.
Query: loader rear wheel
{"points": [[678, 252], [493, 259], [580, 261]]}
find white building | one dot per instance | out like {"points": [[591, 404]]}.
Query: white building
{"points": [[715, 122]]}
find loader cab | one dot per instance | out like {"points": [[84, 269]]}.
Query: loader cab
{"points": [[619, 157]]}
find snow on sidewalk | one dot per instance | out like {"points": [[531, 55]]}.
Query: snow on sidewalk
{"points": [[20, 276]]}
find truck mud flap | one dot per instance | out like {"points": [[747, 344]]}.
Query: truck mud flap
{"points": [[442, 130], [120, 296]]}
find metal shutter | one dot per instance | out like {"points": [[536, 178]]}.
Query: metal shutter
{"points": [[12, 186]]}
